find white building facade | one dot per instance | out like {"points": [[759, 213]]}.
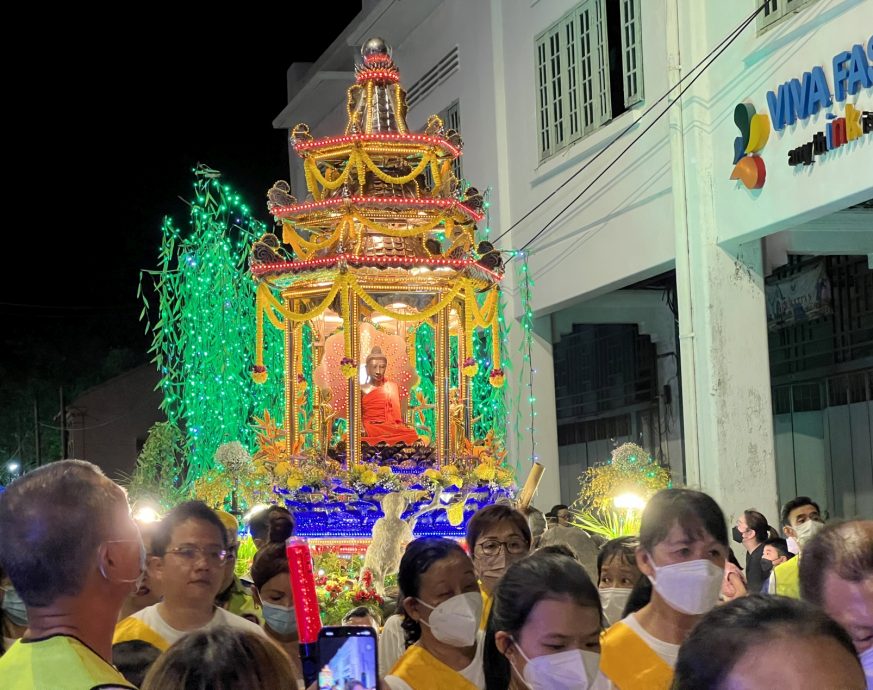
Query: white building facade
{"points": [[650, 304]]}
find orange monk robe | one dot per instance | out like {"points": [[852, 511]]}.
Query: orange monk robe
{"points": [[380, 409]]}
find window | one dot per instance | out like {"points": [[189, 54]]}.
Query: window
{"points": [[777, 10], [451, 118], [588, 70]]}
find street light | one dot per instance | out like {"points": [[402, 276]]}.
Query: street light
{"points": [[13, 466]]}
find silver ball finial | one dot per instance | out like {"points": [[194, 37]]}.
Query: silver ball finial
{"points": [[375, 46]]}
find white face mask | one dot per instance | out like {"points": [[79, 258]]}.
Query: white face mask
{"points": [[456, 621], [573, 669], [690, 587], [807, 531], [866, 658], [613, 600]]}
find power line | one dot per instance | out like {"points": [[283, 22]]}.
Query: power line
{"points": [[713, 54]]}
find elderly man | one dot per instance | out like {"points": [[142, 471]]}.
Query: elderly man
{"points": [[837, 574], [73, 554]]}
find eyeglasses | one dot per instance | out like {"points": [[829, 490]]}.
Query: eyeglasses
{"points": [[191, 554], [492, 547]]}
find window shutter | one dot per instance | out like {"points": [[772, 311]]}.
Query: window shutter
{"points": [[601, 44], [543, 101], [575, 125], [556, 87], [631, 52]]}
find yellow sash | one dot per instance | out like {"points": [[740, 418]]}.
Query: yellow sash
{"points": [[486, 608], [787, 577], [630, 663], [423, 671], [132, 628]]}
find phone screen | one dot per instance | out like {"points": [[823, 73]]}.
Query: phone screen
{"points": [[347, 658]]}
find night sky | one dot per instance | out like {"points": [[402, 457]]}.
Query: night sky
{"points": [[102, 129]]}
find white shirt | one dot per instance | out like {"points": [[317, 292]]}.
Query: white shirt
{"points": [[475, 672], [150, 616], [392, 644]]}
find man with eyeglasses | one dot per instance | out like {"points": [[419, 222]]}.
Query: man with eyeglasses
{"points": [[73, 553], [497, 536], [190, 550]]}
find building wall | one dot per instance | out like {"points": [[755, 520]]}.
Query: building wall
{"points": [[111, 420], [759, 62], [586, 252]]}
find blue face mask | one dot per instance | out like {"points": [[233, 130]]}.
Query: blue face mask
{"points": [[13, 606], [280, 619]]}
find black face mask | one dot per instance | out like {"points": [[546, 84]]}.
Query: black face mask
{"points": [[766, 566], [738, 536]]}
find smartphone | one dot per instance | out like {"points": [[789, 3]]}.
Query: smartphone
{"points": [[348, 658]]}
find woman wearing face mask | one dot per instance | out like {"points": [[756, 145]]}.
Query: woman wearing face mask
{"points": [[545, 625], [618, 574], [13, 613], [497, 536], [683, 547], [272, 591], [442, 608]]}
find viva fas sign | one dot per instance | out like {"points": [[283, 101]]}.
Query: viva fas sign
{"points": [[803, 97]]}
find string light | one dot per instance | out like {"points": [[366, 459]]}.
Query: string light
{"points": [[394, 137], [354, 260], [203, 325], [379, 201]]}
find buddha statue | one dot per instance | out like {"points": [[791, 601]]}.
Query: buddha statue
{"points": [[381, 410]]}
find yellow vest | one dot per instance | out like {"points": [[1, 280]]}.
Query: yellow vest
{"points": [[59, 662], [423, 671], [630, 663], [787, 578]]}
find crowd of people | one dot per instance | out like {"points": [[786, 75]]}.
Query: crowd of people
{"points": [[90, 599]]}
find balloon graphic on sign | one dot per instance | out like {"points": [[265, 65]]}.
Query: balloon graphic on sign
{"points": [[754, 129]]}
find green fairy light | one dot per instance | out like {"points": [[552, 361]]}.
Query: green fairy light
{"points": [[203, 340]]}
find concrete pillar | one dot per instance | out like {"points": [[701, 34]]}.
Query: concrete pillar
{"points": [[723, 332], [546, 420]]}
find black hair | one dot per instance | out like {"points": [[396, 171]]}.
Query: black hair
{"points": [[273, 523], [781, 545], [133, 659], [624, 547], [363, 612], [727, 632], [559, 506], [490, 516], [222, 658], [542, 575], [693, 511], [794, 504], [561, 549], [420, 555], [640, 595], [844, 549], [189, 510], [756, 522], [269, 561]]}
